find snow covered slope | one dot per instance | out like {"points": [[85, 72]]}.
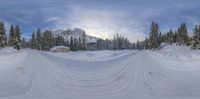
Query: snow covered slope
{"points": [[75, 33], [164, 74]]}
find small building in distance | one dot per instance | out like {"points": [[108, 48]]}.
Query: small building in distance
{"points": [[60, 49]]}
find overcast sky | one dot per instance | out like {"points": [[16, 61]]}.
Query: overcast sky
{"points": [[100, 18]]}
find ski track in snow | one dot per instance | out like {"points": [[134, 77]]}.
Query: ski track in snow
{"points": [[31, 74]]}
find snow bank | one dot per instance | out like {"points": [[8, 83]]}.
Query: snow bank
{"points": [[177, 57], [9, 57], [7, 50]]}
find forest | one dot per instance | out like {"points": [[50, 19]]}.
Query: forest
{"points": [[45, 40]]}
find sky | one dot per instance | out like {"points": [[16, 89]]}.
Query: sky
{"points": [[100, 18]]}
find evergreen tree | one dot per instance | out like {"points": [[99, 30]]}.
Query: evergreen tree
{"points": [[24, 43], [11, 36], [38, 39], [115, 42], [33, 41], [138, 46], [71, 43], [182, 35], [84, 42], [159, 37], [2, 35], [196, 38], [175, 37], [146, 43], [17, 38], [75, 44], [154, 36], [80, 47], [66, 43], [59, 40], [170, 38], [47, 40]]}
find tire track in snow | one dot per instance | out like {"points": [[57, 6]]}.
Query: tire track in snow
{"points": [[65, 81]]}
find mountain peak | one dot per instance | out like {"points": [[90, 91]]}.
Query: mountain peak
{"points": [[75, 33]]}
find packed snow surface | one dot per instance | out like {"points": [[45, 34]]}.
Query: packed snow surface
{"points": [[170, 73]]}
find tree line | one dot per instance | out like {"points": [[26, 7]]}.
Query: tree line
{"points": [[179, 37], [46, 40]]}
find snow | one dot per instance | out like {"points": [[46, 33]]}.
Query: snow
{"points": [[7, 50], [170, 73], [75, 33]]}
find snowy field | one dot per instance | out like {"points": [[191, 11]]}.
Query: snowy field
{"points": [[170, 73]]}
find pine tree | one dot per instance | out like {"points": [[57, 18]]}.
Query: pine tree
{"points": [[154, 37], [115, 42], [175, 37], [182, 35], [84, 42], [159, 37], [38, 39], [75, 44], [196, 38], [2, 35], [170, 38], [146, 43], [80, 45], [138, 47], [11, 36], [71, 43], [24, 44], [47, 40], [17, 38], [33, 41], [59, 40]]}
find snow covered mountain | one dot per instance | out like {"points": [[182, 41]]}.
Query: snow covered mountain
{"points": [[75, 33]]}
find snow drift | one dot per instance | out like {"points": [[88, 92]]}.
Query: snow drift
{"points": [[164, 74]]}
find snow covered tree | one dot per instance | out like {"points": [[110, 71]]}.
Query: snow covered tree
{"points": [[71, 43], [33, 41], [170, 38], [146, 43], [25, 44], [154, 36], [115, 42], [2, 35], [139, 45], [80, 44], [38, 40], [59, 40], [11, 35], [196, 38], [47, 40], [84, 41], [175, 37], [182, 35], [120, 42], [75, 44], [17, 38]]}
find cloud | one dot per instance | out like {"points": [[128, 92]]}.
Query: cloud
{"points": [[52, 19], [131, 18], [103, 23]]}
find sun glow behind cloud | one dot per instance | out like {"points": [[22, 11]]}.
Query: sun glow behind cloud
{"points": [[103, 24]]}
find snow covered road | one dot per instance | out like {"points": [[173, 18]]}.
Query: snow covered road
{"points": [[30, 74]]}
